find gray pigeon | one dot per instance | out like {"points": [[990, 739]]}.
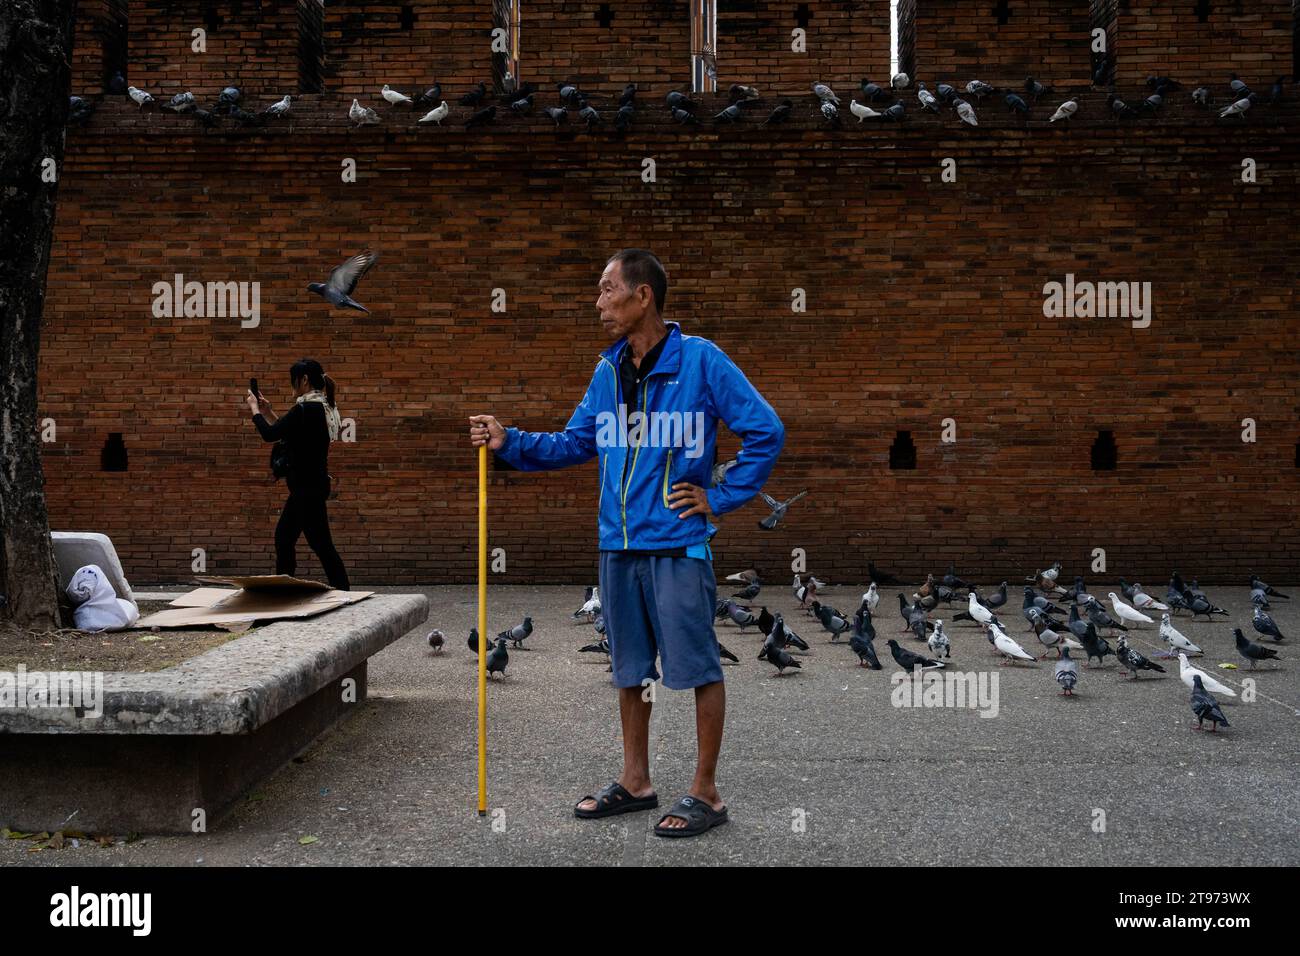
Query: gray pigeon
{"points": [[1133, 660], [779, 508], [343, 281], [780, 658], [779, 115], [1067, 673], [861, 640], [517, 633], [498, 659], [1251, 651], [436, 641], [556, 113], [1205, 707], [732, 114], [1265, 625]]}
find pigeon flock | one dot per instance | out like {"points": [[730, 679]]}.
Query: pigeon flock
{"points": [[573, 106], [1053, 618]]}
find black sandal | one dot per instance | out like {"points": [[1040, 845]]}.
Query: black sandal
{"points": [[699, 817], [612, 800]]}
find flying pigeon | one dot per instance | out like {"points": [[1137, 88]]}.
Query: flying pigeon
{"points": [[1067, 673], [1188, 673], [343, 281], [1134, 661], [1205, 707], [779, 508]]}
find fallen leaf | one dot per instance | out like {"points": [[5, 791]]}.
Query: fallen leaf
{"points": [[307, 840], [1228, 667]]}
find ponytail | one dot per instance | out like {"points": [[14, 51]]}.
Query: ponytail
{"points": [[329, 391]]}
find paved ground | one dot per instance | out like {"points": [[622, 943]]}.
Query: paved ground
{"points": [[874, 784]]}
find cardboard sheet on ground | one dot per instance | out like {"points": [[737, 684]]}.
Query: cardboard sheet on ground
{"points": [[263, 597]]}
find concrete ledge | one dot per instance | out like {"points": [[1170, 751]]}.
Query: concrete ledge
{"points": [[241, 686], [197, 736]]}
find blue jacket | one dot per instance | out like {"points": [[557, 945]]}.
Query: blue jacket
{"points": [[692, 385]]}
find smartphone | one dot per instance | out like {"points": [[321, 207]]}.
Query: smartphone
{"points": [[252, 387]]}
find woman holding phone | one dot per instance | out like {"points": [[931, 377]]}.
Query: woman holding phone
{"points": [[306, 430]]}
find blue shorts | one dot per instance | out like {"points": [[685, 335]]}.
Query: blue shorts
{"points": [[660, 606]]}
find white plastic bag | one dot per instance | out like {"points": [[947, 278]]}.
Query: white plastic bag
{"points": [[98, 608]]}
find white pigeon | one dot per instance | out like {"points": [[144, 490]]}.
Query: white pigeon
{"points": [[437, 114], [1145, 601], [279, 108], [978, 611], [818, 585], [1126, 613], [361, 115], [966, 112], [862, 112], [139, 96], [394, 97], [798, 583], [825, 93], [1065, 111], [1186, 671], [592, 607], [1007, 647], [939, 645], [900, 81], [1175, 640], [1235, 109], [872, 597], [928, 100]]}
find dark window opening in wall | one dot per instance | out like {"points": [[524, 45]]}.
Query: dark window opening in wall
{"points": [[1002, 11], [311, 47], [1105, 456], [211, 18], [1297, 454], [605, 16], [802, 15], [407, 17], [113, 456], [902, 453], [1203, 10], [704, 46]]}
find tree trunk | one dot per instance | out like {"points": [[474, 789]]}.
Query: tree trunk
{"points": [[35, 71]]}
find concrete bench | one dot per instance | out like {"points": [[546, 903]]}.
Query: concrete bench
{"points": [[198, 735]]}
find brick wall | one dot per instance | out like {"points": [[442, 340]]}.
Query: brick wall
{"points": [[924, 302], [961, 40], [252, 44], [1253, 38], [407, 45], [99, 44]]}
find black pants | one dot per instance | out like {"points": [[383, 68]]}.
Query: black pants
{"points": [[304, 513]]}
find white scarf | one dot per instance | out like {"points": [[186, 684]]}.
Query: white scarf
{"points": [[331, 413]]}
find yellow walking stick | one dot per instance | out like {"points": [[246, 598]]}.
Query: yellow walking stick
{"points": [[482, 630]]}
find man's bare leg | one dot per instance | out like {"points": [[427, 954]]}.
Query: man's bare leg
{"points": [[710, 715], [635, 716]]}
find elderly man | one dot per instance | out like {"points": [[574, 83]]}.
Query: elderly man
{"points": [[650, 417]]}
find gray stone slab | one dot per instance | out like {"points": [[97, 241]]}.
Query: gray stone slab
{"points": [[76, 549]]}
